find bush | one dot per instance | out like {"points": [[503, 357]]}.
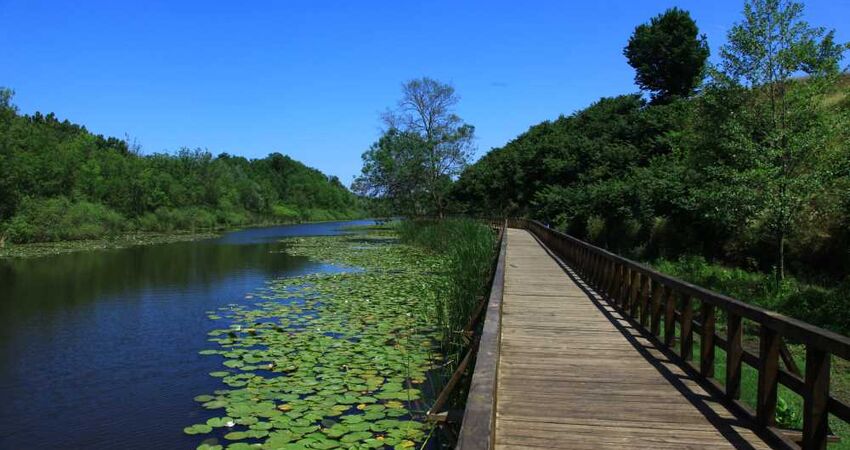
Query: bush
{"points": [[826, 307], [58, 218], [285, 213]]}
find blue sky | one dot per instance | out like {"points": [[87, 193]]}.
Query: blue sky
{"points": [[310, 78]]}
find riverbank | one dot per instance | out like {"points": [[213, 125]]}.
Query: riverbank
{"points": [[41, 249]]}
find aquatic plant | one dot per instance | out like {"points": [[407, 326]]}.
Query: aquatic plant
{"points": [[332, 359]]}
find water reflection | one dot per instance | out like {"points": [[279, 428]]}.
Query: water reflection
{"points": [[99, 349]]}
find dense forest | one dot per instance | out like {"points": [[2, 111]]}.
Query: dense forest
{"points": [[61, 182], [729, 175]]}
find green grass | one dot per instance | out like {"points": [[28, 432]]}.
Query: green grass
{"points": [[825, 306]]}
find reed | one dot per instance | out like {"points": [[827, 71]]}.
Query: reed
{"points": [[470, 247]]}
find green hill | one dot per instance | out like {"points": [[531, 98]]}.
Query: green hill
{"points": [[61, 182]]}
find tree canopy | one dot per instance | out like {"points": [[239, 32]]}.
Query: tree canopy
{"points": [[423, 148], [668, 55], [710, 174], [59, 181]]}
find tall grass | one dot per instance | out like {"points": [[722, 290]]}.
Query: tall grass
{"points": [[827, 307], [471, 248]]}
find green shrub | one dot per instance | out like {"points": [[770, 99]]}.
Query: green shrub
{"points": [[826, 307], [58, 218], [595, 227], [285, 213]]}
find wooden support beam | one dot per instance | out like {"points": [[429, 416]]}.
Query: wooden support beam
{"points": [[706, 358], [768, 376], [686, 344], [658, 291], [816, 400], [645, 286], [734, 356], [670, 319]]}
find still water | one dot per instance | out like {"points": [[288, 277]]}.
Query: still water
{"points": [[99, 349]]}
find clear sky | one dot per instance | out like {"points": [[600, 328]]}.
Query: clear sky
{"points": [[310, 78]]}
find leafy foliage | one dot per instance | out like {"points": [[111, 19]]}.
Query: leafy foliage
{"points": [[423, 149], [668, 55], [783, 123], [59, 181], [718, 174]]}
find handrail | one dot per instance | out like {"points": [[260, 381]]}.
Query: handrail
{"points": [[650, 298], [478, 427]]}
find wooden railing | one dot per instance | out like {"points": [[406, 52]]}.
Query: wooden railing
{"points": [[673, 311]]}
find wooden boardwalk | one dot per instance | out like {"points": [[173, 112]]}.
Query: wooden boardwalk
{"points": [[573, 373]]}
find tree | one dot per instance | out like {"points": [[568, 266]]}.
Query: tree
{"points": [[784, 123], [668, 55], [424, 147], [392, 171]]}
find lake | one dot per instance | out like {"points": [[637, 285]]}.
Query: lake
{"points": [[99, 349]]}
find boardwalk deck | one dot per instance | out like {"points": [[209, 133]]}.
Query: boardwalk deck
{"points": [[574, 374]]}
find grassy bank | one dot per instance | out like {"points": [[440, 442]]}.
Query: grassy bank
{"points": [[824, 306], [39, 249], [114, 240], [62, 219]]}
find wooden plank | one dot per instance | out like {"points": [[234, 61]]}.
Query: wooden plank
{"points": [[573, 373]]}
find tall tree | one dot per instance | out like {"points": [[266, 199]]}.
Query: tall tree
{"points": [[392, 171], [668, 55], [784, 124], [424, 147]]}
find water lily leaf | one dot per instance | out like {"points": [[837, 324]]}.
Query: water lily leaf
{"points": [[209, 447], [241, 446], [262, 426], [198, 429], [351, 438], [236, 435], [217, 422]]}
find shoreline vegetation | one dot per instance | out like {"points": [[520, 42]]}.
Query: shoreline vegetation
{"points": [[133, 239], [61, 182]]}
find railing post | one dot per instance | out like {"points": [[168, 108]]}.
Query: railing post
{"points": [[768, 376], [633, 293], [595, 265], [734, 354], [625, 280], [706, 359], [610, 271], [646, 285], [816, 399], [669, 318], [658, 291], [686, 347]]}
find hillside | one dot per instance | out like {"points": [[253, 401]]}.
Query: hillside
{"points": [[60, 181]]}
